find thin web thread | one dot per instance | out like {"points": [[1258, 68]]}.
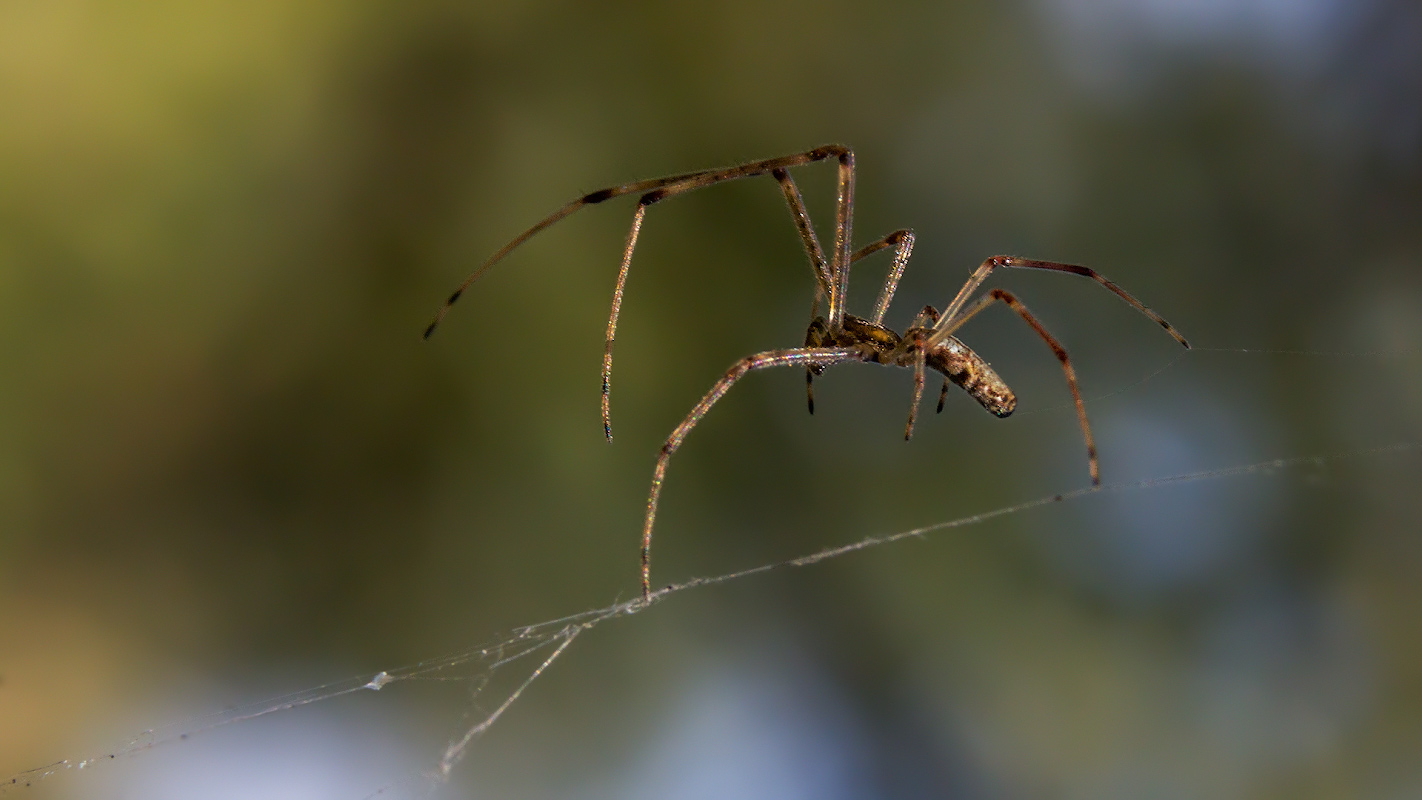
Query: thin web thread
{"points": [[556, 635]]}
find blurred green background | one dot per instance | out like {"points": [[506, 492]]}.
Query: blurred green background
{"points": [[229, 468]]}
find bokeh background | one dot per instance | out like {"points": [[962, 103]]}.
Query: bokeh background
{"points": [[229, 468]]}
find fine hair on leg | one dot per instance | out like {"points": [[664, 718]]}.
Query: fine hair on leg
{"points": [[1013, 262], [819, 356]]}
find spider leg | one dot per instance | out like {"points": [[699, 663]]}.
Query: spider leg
{"points": [[915, 339], [843, 233], [918, 365], [979, 275], [670, 188], [823, 280], [902, 242], [658, 189], [949, 325], [617, 293], [833, 280], [818, 356], [690, 180]]}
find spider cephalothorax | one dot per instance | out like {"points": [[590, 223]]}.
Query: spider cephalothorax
{"points": [[928, 343]]}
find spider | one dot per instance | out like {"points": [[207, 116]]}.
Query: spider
{"points": [[839, 336]]}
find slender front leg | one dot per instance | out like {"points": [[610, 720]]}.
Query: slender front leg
{"points": [[674, 184], [823, 279], [632, 234], [979, 275], [902, 242], [843, 234], [672, 187], [659, 189], [814, 356], [824, 282]]}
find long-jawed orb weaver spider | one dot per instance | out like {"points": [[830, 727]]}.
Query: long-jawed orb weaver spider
{"points": [[840, 336]]}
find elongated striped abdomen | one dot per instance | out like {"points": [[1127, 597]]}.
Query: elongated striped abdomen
{"points": [[968, 370]]}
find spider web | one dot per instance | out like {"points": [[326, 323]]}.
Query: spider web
{"points": [[522, 655]]}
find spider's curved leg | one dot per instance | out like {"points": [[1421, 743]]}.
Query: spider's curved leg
{"points": [[592, 198], [658, 189], [688, 180], [775, 166], [949, 325], [818, 356], [979, 275]]}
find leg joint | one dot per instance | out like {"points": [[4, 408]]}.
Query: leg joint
{"points": [[821, 153]]}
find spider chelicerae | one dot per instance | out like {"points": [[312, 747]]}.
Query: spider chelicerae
{"points": [[838, 336]]}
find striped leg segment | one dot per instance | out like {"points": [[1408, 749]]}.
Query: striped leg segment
{"points": [[818, 356]]}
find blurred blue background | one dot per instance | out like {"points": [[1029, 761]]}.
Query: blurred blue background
{"points": [[229, 468]]}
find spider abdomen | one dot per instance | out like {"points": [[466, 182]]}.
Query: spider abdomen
{"points": [[968, 370]]}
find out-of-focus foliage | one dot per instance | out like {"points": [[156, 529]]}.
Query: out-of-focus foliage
{"points": [[229, 467]]}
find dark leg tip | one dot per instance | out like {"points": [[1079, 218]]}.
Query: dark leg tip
{"points": [[430, 330]]}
